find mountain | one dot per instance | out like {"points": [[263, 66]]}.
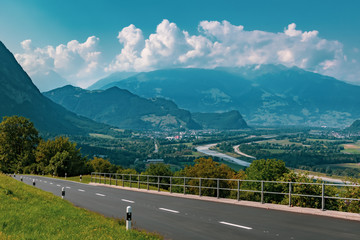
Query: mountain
{"points": [[114, 77], [354, 127], [19, 96], [265, 95], [226, 121], [123, 109]]}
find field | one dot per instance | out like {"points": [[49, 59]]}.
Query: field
{"points": [[352, 148], [30, 213]]}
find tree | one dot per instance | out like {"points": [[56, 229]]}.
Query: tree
{"points": [[60, 156], [18, 141], [266, 170], [100, 165], [159, 169]]}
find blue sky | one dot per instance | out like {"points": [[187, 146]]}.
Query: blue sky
{"points": [[55, 23]]}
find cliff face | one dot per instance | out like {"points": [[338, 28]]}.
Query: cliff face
{"points": [[19, 96]]}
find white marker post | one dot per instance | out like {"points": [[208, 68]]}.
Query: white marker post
{"points": [[65, 175], [34, 182], [80, 178], [21, 178], [62, 192], [128, 217]]}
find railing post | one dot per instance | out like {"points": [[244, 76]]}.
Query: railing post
{"points": [[130, 180], [122, 178], [289, 194], [238, 190], [184, 185], [158, 184], [218, 188], [170, 185], [104, 178], [200, 187], [262, 192], [116, 179], [99, 177], [323, 197], [138, 181], [110, 178], [148, 182]]}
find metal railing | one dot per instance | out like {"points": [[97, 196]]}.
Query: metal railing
{"points": [[306, 194]]}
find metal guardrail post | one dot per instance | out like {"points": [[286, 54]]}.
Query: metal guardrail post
{"points": [[148, 183], [158, 184], [238, 190], [110, 178], [99, 177], [323, 197], [200, 187], [104, 178], [289, 194], [262, 192], [138, 181], [130, 180], [116, 179], [122, 178], [170, 185], [218, 188], [184, 185]]}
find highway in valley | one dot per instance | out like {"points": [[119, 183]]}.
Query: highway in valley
{"points": [[185, 219]]}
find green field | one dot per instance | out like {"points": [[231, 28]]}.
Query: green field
{"points": [[351, 148], [30, 213]]}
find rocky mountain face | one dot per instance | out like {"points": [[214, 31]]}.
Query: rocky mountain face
{"points": [[264, 95], [19, 96]]}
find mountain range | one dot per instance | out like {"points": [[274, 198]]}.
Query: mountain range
{"points": [[121, 108], [264, 95], [19, 96]]}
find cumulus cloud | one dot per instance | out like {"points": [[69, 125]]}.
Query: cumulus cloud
{"points": [[222, 44], [77, 62]]}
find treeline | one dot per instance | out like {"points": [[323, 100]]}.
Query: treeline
{"points": [[23, 150]]}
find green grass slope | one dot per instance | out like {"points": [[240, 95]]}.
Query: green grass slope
{"points": [[30, 213]]}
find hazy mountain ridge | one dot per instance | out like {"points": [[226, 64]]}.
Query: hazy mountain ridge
{"points": [[265, 95], [123, 109], [19, 96]]}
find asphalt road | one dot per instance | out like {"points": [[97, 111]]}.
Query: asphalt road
{"points": [[186, 219]]}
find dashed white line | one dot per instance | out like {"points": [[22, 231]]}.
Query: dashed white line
{"points": [[236, 225], [99, 194], [58, 185], [129, 201], [169, 210], [51, 183], [68, 187], [45, 181], [80, 190]]}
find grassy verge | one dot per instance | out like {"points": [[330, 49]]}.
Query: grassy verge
{"points": [[30, 213]]}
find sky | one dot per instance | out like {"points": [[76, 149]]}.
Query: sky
{"points": [[83, 41]]}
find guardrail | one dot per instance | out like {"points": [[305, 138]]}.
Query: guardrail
{"points": [[316, 195]]}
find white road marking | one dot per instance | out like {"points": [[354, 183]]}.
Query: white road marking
{"points": [[99, 194], [45, 181], [58, 185], [169, 210], [68, 187], [129, 201], [235, 225], [51, 183], [80, 190]]}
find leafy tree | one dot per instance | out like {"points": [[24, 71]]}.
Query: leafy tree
{"points": [[207, 168], [266, 170], [101, 165], [159, 169], [60, 156], [18, 141]]}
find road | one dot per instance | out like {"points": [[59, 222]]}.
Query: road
{"points": [[181, 218], [205, 149]]}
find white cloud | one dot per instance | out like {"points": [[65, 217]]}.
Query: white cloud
{"points": [[76, 62], [223, 44]]}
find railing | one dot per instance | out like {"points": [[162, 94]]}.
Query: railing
{"points": [[306, 194]]}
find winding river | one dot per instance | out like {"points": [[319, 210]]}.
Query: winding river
{"points": [[205, 149]]}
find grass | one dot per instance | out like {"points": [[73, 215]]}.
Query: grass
{"points": [[98, 135], [30, 213]]}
